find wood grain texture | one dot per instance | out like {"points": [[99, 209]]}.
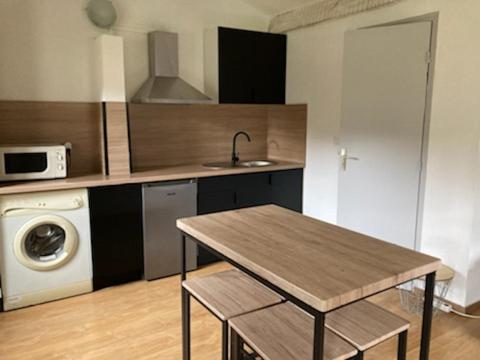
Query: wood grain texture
{"points": [[164, 174], [284, 332], [118, 149], [287, 132], [321, 264], [31, 123], [231, 293], [142, 321], [166, 135], [365, 324]]}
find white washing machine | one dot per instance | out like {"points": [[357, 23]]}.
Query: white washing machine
{"points": [[45, 250]]}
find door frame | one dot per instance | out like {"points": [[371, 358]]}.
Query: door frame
{"points": [[433, 19]]}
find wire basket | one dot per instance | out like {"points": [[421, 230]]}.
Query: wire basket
{"points": [[412, 293]]}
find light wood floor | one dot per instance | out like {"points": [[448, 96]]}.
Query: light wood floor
{"points": [[141, 320]]}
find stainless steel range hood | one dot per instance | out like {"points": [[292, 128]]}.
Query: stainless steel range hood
{"points": [[164, 86]]}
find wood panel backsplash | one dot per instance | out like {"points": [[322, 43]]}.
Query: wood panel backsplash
{"points": [[118, 150], [168, 135], [287, 132], [30, 123]]}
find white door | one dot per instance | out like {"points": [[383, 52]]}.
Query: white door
{"points": [[383, 110]]}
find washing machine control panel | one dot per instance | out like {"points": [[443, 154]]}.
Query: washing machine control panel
{"points": [[52, 201]]}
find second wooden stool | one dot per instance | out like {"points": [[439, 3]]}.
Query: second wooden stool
{"points": [[365, 325], [283, 332]]}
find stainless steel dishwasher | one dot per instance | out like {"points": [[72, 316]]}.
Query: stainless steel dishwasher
{"points": [[163, 204]]}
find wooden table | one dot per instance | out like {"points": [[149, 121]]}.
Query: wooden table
{"points": [[316, 265]]}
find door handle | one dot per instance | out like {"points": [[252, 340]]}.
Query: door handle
{"points": [[344, 158]]}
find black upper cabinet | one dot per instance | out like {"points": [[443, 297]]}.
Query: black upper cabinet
{"points": [[269, 71], [235, 68], [251, 67]]}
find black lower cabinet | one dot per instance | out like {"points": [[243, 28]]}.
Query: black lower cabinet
{"points": [[252, 190], [214, 194], [117, 234], [287, 189], [222, 193]]}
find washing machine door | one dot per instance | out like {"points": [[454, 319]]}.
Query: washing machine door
{"points": [[46, 242]]}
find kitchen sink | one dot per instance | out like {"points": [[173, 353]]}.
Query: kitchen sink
{"points": [[230, 165], [256, 163], [220, 165]]}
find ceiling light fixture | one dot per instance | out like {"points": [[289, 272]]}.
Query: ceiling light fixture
{"points": [[101, 13]]}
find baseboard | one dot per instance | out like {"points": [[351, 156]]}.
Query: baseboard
{"points": [[474, 308], [454, 306]]}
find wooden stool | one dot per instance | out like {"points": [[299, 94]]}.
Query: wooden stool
{"points": [[228, 294], [365, 325], [283, 332]]}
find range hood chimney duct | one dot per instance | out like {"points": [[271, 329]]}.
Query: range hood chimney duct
{"points": [[164, 86]]}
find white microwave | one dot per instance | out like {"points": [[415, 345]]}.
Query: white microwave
{"points": [[31, 162]]}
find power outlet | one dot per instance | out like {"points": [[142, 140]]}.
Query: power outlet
{"points": [[446, 308]]}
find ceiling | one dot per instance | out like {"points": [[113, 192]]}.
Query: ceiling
{"points": [[274, 7]]}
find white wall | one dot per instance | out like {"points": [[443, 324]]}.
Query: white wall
{"points": [[47, 47], [451, 211], [473, 278]]}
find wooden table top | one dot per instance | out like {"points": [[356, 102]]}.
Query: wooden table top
{"points": [[323, 265]]}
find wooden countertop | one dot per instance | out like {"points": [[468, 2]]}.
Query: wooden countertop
{"points": [[163, 174], [323, 265]]}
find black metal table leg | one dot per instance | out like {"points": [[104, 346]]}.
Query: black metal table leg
{"points": [[427, 316], [185, 304], [402, 345], [359, 355], [318, 336], [183, 257], [235, 346], [185, 324], [224, 340]]}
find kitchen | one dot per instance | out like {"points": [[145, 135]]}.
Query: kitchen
{"points": [[141, 154]]}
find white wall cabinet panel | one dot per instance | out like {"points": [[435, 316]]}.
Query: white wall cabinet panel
{"points": [[111, 68]]}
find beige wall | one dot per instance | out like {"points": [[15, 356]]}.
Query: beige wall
{"points": [[451, 212], [47, 47]]}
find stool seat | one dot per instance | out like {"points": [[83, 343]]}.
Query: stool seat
{"points": [[445, 273], [230, 293], [365, 324], [285, 332]]}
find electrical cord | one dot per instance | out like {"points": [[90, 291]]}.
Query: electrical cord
{"points": [[465, 315], [447, 308]]}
